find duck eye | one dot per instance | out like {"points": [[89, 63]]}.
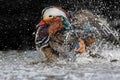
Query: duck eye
{"points": [[50, 15]]}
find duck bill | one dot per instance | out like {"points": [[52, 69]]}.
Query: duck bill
{"points": [[41, 23]]}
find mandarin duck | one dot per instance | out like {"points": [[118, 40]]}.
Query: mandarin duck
{"points": [[59, 35]]}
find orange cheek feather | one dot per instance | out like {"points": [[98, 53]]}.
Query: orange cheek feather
{"points": [[55, 26]]}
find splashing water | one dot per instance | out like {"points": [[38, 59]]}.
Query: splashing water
{"points": [[109, 40], [26, 65]]}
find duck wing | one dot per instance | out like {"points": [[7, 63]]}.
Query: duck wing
{"points": [[95, 26]]}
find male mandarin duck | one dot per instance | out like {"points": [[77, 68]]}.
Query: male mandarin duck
{"points": [[56, 35]]}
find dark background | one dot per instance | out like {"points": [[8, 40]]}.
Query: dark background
{"points": [[18, 18]]}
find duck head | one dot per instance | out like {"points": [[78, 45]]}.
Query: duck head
{"points": [[55, 18]]}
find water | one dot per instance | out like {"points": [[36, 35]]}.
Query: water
{"points": [[26, 65]]}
